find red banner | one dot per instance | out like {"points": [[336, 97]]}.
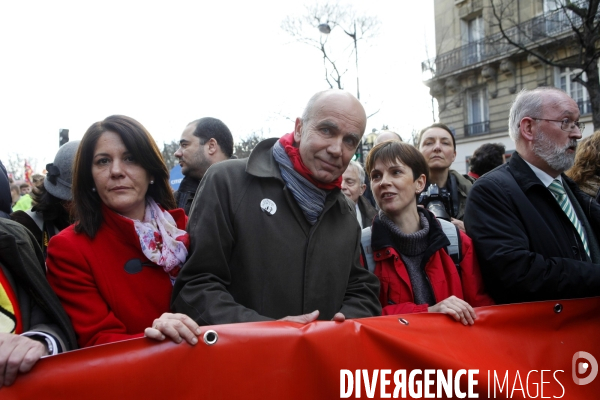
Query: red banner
{"points": [[534, 350]]}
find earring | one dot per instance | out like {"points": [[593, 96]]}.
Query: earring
{"points": [[93, 189], [152, 182]]}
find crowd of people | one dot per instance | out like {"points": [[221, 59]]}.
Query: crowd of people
{"points": [[103, 250]]}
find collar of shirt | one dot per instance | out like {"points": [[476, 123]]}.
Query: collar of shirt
{"points": [[542, 176], [358, 215]]}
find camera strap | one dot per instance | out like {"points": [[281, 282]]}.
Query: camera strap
{"points": [[454, 194], [453, 235]]}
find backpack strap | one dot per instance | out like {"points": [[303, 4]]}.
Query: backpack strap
{"points": [[37, 218], [365, 241], [453, 235], [450, 230]]}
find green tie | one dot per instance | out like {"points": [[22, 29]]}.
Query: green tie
{"points": [[558, 190]]}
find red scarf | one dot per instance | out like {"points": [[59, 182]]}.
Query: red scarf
{"points": [[287, 141], [473, 174]]}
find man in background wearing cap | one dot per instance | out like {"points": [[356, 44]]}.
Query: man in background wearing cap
{"points": [[203, 142]]}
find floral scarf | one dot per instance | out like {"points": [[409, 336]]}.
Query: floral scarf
{"points": [[162, 241]]}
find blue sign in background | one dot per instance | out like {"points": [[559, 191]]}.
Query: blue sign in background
{"points": [[175, 177]]}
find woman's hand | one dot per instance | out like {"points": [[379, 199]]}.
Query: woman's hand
{"points": [[177, 327], [458, 309], [459, 224]]}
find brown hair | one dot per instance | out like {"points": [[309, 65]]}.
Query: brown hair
{"points": [[390, 151], [137, 140], [437, 125], [587, 159]]}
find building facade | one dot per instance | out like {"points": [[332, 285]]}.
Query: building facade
{"points": [[476, 74]]}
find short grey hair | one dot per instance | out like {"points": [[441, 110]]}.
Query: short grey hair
{"points": [[359, 169], [528, 103]]}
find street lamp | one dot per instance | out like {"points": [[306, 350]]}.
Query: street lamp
{"points": [[326, 29]]}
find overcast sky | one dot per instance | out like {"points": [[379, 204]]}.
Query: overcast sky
{"points": [[68, 64]]}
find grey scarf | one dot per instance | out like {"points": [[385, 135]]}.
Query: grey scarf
{"points": [[310, 198]]}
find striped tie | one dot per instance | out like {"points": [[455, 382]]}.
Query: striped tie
{"points": [[558, 190]]}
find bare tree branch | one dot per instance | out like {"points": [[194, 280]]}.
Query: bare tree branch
{"points": [[370, 115], [336, 56]]}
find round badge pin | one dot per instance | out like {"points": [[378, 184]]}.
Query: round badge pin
{"points": [[268, 206]]}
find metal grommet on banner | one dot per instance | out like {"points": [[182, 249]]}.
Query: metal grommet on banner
{"points": [[403, 321], [558, 308], [210, 337]]}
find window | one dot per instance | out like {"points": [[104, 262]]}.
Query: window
{"points": [[576, 90], [473, 36], [477, 109], [556, 19], [552, 5]]}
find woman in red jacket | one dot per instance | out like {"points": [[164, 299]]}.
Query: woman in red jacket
{"points": [[409, 246], [114, 269]]}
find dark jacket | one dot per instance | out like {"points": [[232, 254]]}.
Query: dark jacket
{"points": [[184, 196], [396, 293], [367, 211], [24, 219], [527, 247], [5, 196], [249, 265], [463, 187], [22, 263]]}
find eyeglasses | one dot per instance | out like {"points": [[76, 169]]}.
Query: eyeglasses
{"points": [[565, 124]]}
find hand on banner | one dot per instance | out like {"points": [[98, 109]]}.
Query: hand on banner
{"points": [[339, 317], [177, 327], [18, 354], [302, 319], [457, 308], [459, 224]]}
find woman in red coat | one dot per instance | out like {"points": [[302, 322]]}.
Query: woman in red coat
{"points": [[114, 269], [409, 246]]}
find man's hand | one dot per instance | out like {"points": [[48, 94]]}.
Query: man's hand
{"points": [[302, 319], [339, 317], [458, 309], [459, 224], [177, 327], [18, 354]]}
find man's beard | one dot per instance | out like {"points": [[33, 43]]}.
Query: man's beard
{"points": [[555, 155]]}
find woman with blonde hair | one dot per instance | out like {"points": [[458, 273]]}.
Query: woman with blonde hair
{"points": [[586, 170]]}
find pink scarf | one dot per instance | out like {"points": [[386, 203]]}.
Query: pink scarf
{"points": [[161, 240]]}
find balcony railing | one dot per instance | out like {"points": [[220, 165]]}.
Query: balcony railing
{"points": [[532, 31], [585, 106], [478, 128]]}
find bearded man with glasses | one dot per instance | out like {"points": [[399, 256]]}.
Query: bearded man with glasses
{"points": [[535, 233]]}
